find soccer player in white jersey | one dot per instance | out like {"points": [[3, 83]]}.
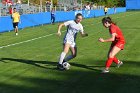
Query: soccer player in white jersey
{"points": [[73, 27]]}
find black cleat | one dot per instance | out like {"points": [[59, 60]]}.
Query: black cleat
{"points": [[60, 67], [64, 60]]}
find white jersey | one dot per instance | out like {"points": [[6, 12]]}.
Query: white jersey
{"points": [[72, 29], [87, 7]]}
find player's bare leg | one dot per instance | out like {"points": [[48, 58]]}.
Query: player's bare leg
{"points": [[16, 30], [112, 54], [73, 53], [63, 54]]}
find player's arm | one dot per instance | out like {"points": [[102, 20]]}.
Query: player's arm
{"points": [[19, 17], [109, 39], [61, 25], [83, 34], [59, 29]]}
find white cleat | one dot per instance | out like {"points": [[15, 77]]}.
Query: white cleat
{"points": [[119, 64], [105, 71]]}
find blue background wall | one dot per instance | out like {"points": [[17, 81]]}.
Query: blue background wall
{"points": [[132, 4], [29, 20]]}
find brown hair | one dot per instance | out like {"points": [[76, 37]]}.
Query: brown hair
{"points": [[108, 19], [79, 14]]}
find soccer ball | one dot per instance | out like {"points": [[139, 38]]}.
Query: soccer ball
{"points": [[66, 65]]}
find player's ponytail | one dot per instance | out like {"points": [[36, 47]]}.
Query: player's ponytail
{"points": [[108, 19]]}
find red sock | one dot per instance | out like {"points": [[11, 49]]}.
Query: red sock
{"points": [[115, 60], [109, 62]]}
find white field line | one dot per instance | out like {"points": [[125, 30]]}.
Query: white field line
{"points": [[48, 35]]}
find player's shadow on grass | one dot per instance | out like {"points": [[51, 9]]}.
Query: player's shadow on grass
{"points": [[1, 60], [87, 67], [41, 64], [52, 65], [48, 64]]}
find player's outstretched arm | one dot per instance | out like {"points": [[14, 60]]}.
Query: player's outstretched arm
{"points": [[59, 29], [109, 39]]}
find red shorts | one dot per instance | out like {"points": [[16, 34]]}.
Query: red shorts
{"points": [[118, 44]]}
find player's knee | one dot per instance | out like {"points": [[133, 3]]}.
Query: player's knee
{"points": [[65, 52]]}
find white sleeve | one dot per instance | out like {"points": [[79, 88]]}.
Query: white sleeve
{"points": [[81, 28], [67, 23]]}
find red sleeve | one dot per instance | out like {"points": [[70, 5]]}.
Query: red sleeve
{"points": [[112, 30]]}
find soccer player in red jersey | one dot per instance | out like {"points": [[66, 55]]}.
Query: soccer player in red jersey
{"points": [[117, 45]]}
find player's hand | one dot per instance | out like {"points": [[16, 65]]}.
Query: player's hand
{"points": [[59, 33], [101, 39]]}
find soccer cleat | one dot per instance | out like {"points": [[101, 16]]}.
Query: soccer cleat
{"points": [[105, 71], [119, 64], [60, 67]]}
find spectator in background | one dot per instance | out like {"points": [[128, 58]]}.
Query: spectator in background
{"points": [[114, 9], [91, 6], [105, 10], [16, 19], [10, 10], [18, 3], [87, 9], [9, 2], [65, 8], [52, 15], [4, 2], [48, 4]]}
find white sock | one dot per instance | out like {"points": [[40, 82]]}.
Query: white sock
{"points": [[69, 58], [62, 56]]}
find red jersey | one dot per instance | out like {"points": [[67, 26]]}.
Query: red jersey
{"points": [[115, 29], [10, 10]]}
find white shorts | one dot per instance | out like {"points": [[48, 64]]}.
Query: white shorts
{"points": [[72, 43]]}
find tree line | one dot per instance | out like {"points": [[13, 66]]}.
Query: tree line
{"points": [[109, 3]]}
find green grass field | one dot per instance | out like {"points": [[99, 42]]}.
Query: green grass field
{"points": [[30, 67]]}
